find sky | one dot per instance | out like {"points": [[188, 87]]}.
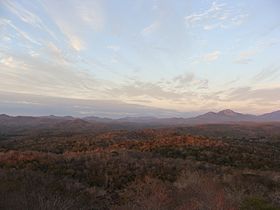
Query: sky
{"points": [[172, 58]]}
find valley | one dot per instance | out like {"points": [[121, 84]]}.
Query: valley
{"points": [[79, 164]]}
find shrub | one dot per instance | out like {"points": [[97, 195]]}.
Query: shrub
{"points": [[255, 203]]}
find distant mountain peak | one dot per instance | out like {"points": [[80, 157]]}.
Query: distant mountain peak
{"points": [[272, 116], [4, 116], [209, 114], [228, 112]]}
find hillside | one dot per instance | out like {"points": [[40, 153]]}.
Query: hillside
{"points": [[78, 166]]}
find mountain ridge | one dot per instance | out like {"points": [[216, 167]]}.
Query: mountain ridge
{"points": [[223, 116]]}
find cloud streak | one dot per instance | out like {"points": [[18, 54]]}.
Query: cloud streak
{"points": [[163, 58], [21, 33], [218, 15], [27, 16], [26, 104], [207, 57], [267, 74], [75, 18], [151, 28], [22, 75], [212, 56]]}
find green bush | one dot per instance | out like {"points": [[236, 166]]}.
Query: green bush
{"points": [[255, 203]]}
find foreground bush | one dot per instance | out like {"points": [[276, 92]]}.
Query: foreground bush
{"points": [[255, 203]]}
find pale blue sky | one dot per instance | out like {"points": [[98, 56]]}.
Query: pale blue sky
{"points": [[184, 55]]}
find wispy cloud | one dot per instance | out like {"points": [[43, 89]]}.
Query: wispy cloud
{"points": [[140, 89], [218, 15], [23, 74], [76, 42], [21, 33], [22, 13], [188, 80], [269, 73], [91, 49], [255, 94], [91, 12], [74, 18], [115, 48], [151, 28], [56, 54], [11, 63], [245, 57], [244, 98], [207, 57], [212, 56], [180, 88], [27, 16]]}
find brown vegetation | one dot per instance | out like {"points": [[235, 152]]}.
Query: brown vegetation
{"points": [[140, 169]]}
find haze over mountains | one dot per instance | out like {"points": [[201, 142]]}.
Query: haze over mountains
{"points": [[223, 117]]}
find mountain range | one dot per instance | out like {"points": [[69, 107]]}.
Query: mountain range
{"points": [[223, 117]]}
